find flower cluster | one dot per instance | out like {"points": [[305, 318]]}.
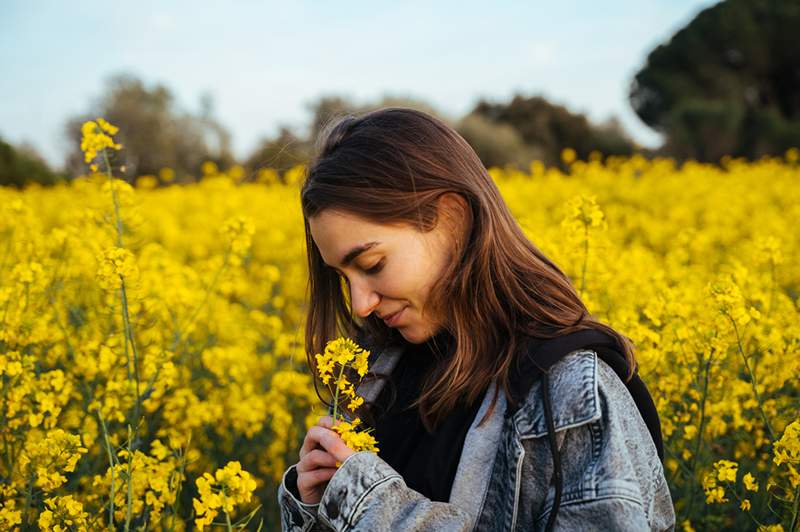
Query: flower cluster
{"points": [[96, 137], [344, 352], [228, 487], [46, 459], [583, 211], [238, 233], [115, 266], [63, 514], [787, 449], [724, 472], [155, 481]]}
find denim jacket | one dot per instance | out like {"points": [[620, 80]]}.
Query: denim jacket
{"points": [[612, 476]]}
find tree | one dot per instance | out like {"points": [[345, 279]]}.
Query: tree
{"points": [[727, 83], [547, 128], [22, 165], [279, 153], [497, 144], [332, 107], [154, 132]]}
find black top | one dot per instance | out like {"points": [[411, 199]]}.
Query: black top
{"points": [[426, 461]]}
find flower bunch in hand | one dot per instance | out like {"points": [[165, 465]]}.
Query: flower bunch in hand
{"points": [[339, 354]]}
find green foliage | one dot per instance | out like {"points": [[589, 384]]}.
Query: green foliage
{"points": [[280, 153], [20, 166], [154, 132], [497, 144], [727, 83], [545, 129]]}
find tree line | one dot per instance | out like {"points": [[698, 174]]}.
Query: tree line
{"points": [[728, 83]]}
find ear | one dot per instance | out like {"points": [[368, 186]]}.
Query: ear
{"points": [[453, 205], [452, 210]]}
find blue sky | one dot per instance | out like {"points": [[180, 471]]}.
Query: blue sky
{"points": [[264, 62]]}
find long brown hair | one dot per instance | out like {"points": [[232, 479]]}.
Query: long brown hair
{"points": [[391, 165]]}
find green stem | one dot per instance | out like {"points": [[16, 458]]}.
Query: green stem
{"points": [[585, 256], [772, 287], [228, 521], [28, 498], [795, 510], [129, 338], [336, 393], [111, 467], [132, 435], [114, 198], [701, 427], [752, 380], [129, 501]]}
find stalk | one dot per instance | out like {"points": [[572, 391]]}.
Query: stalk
{"points": [[336, 393], [134, 373], [752, 380], [585, 255], [111, 467]]}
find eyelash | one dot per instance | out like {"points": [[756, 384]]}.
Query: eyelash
{"points": [[371, 271], [375, 269]]}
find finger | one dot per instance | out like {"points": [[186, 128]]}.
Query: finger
{"points": [[314, 460], [330, 441], [325, 421], [309, 479], [311, 441]]}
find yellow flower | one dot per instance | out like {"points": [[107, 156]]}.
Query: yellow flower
{"points": [[568, 155], [745, 505], [726, 470], [750, 482], [229, 486], [95, 138], [63, 514], [117, 264], [787, 449]]}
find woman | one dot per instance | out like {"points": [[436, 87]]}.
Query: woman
{"points": [[412, 250]]}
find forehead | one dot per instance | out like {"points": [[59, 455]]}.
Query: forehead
{"points": [[336, 232]]}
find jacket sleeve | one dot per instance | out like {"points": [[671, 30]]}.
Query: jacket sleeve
{"points": [[366, 493], [296, 516]]}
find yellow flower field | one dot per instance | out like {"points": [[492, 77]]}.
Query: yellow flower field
{"points": [[152, 371]]}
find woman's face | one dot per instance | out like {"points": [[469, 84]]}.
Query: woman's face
{"points": [[388, 268]]}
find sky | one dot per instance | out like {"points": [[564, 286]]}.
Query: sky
{"points": [[264, 63]]}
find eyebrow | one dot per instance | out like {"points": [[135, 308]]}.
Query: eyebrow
{"points": [[356, 251]]}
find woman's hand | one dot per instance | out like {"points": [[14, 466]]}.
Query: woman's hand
{"points": [[322, 447]]}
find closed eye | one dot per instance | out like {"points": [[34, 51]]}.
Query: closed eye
{"points": [[375, 269]]}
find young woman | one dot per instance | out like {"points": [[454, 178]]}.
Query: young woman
{"points": [[412, 251]]}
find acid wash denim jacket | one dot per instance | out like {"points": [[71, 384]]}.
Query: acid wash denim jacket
{"points": [[612, 476]]}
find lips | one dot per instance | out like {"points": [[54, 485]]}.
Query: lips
{"points": [[391, 318]]}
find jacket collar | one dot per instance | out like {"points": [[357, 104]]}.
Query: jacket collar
{"points": [[573, 392]]}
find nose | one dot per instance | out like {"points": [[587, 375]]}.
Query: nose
{"points": [[363, 299]]}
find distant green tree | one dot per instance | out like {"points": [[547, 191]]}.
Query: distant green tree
{"points": [[330, 107], [21, 165], [497, 144], [546, 128], [727, 83], [279, 153], [154, 132]]}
